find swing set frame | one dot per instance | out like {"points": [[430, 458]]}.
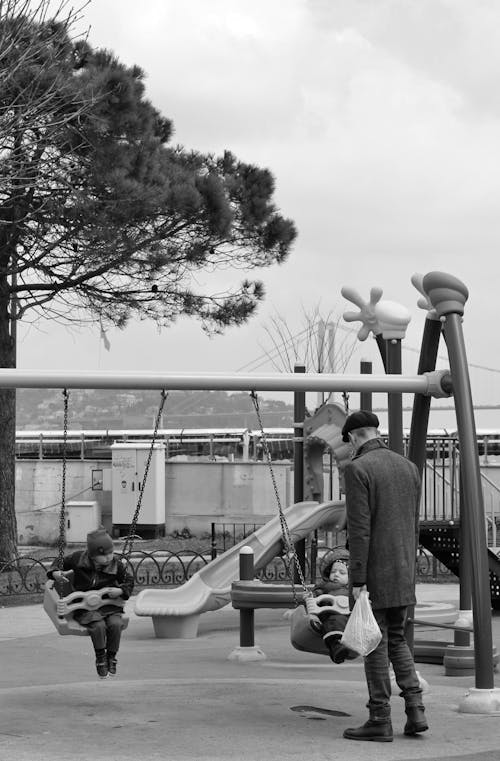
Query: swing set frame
{"points": [[449, 311]]}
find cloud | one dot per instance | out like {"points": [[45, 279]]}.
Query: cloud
{"points": [[453, 42], [379, 121]]}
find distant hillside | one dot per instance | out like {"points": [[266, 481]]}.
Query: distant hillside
{"points": [[42, 409]]}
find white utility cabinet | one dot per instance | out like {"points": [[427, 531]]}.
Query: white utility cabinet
{"points": [[128, 469], [81, 518]]}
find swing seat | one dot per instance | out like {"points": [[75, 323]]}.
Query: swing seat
{"points": [[61, 609], [302, 636]]}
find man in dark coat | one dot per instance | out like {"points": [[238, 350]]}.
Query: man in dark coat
{"points": [[382, 491]]}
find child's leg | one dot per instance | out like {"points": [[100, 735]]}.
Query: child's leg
{"points": [[97, 630], [113, 634], [334, 625]]}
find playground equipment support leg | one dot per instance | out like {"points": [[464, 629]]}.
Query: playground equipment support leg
{"points": [[365, 397], [462, 639], [247, 651], [420, 418], [448, 295], [473, 502], [247, 616], [395, 400], [299, 413], [422, 402]]}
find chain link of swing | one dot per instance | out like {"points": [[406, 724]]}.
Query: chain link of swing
{"points": [[61, 544], [129, 539], [290, 557], [345, 399]]}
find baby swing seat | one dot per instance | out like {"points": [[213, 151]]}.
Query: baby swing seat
{"points": [[302, 635]]}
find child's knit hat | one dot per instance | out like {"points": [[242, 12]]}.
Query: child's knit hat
{"points": [[99, 542], [337, 555]]}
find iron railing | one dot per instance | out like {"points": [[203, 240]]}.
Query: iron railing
{"points": [[320, 545], [25, 576]]}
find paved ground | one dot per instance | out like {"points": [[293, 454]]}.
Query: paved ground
{"points": [[180, 700]]}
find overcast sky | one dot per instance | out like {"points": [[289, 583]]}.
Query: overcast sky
{"points": [[379, 120]]}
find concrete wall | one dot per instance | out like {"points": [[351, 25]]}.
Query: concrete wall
{"points": [[199, 493], [39, 493], [195, 494]]}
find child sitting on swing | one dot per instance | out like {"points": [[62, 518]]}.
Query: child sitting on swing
{"points": [[335, 583], [95, 568]]}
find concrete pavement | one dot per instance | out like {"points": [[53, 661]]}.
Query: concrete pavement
{"points": [[180, 700]]}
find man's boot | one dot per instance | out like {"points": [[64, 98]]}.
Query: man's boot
{"points": [[374, 731], [416, 721]]}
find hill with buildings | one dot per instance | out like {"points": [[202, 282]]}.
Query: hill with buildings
{"points": [[42, 409]]}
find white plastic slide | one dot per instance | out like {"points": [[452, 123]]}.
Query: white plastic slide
{"points": [[175, 612]]}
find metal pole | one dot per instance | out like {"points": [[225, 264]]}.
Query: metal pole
{"points": [[448, 296], [422, 403], [420, 422], [10, 378], [473, 507], [462, 639], [382, 347], [331, 353], [395, 400], [247, 615], [299, 413], [365, 397], [320, 397]]}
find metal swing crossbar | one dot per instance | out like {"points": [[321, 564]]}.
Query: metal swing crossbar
{"points": [[61, 603], [435, 383]]}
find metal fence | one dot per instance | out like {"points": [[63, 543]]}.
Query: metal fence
{"points": [[319, 547], [24, 578]]}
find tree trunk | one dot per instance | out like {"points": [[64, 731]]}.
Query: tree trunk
{"points": [[8, 523]]}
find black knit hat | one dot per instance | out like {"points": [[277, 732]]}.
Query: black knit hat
{"points": [[99, 542], [360, 419]]}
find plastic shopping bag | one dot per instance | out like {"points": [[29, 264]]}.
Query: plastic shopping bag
{"points": [[362, 633]]}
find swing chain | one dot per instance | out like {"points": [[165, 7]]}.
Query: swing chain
{"points": [[62, 514], [129, 540], [290, 557]]}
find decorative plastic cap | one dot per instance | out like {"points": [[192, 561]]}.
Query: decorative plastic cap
{"points": [[446, 293], [385, 317], [393, 319]]}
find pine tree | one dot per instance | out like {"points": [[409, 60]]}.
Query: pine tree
{"points": [[101, 218]]}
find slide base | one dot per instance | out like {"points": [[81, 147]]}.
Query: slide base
{"points": [[176, 627]]}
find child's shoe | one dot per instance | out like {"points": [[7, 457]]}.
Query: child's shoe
{"points": [[112, 662], [101, 665], [338, 653]]}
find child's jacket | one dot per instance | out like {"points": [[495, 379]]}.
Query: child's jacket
{"points": [[339, 591]]}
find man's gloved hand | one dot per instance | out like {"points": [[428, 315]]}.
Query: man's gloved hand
{"points": [[356, 591]]}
